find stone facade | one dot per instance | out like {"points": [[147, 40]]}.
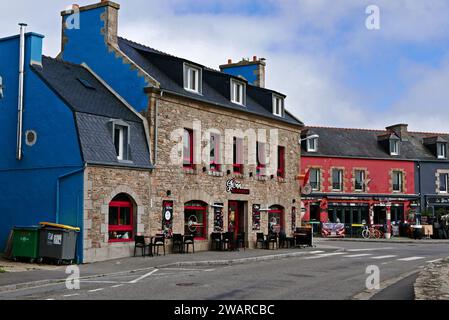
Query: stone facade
{"points": [[209, 187]]}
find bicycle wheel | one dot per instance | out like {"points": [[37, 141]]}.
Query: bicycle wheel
{"points": [[365, 234], [377, 234]]}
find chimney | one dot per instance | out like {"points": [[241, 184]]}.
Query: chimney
{"points": [[400, 130], [253, 71], [103, 15]]}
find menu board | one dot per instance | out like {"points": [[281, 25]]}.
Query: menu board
{"points": [[256, 217], [293, 218], [218, 217], [167, 219]]}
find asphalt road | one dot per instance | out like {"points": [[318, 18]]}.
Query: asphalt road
{"points": [[319, 275]]}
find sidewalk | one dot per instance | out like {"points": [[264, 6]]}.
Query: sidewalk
{"points": [[17, 280], [392, 240]]}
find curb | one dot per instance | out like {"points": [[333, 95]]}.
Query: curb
{"points": [[433, 281], [41, 283], [386, 241]]}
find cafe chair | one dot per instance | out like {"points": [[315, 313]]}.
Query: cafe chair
{"points": [[283, 240], [260, 239], [227, 240], [189, 241], [178, 242], [273, 241], [140, 243], [241, 241], [216, 241], [159, 241]]}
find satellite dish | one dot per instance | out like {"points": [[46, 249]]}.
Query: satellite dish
{"points": [[1, 88], [306, 190]]}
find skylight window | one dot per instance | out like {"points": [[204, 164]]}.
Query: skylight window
{"points": [[121, 139], [192, 78], [238, 92], [441, 151], [394, 147], [86, 84]]}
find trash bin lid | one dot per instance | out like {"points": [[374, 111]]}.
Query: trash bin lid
{"points": [[26, 227], [60, 226]]}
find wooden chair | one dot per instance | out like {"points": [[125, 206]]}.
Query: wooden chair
{"points": [[159, 241], [189, 240], [260, 239], [140, 243], [216, 241], [178, 242]]}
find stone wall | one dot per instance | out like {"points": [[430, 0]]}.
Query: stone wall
{"points": [[433, 282]]}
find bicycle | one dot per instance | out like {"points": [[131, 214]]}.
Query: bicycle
{"points": [[370, 233]]}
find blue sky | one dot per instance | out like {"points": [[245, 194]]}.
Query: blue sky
{"points": [[334, 70]]}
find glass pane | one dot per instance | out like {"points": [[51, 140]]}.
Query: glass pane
{"points": [[117, 140], [113, 216], [195, 223], [443, 182], [187, 147], [125, 216]]}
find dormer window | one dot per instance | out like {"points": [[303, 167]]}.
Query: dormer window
{"points": [[278, 106], [394, 147], [121, 139], [312, 145], [441, 151], [192, 78], [238, 92]]}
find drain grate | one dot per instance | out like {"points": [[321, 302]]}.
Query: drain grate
{"points": [[191, 284]]}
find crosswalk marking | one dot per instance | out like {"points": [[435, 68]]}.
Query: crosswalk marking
{"points": [[96, 290], [324, 255], [357, 255], [383, 257], [317, 251], [370, 249], [436, 260], [411, 259]]}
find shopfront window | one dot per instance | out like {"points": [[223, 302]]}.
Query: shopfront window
{"points": [[121, 228], [195, 219], [276, 219]]}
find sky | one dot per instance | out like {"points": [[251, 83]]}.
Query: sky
{"points": [[334, 70]]}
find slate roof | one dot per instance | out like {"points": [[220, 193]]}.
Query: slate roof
{"points": [[94, 106], [364, 143], [168, 71]]}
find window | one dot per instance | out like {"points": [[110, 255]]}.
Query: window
{"points": [[315, 179], [337, 179], [275, 219], [278, 106], [215, 152], [441, 151], [188, 149], [397, 181], [312, 145], [359, 180], [261, 159], [238, 156], [281, 162], [121, 140], [444, 177], [192, 78], [394, 147], [195, 219], [238, 92], [121, 220]]}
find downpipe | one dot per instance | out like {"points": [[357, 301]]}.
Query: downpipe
{"points": [[21, 81]]}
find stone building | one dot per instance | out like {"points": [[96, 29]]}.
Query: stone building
{"points": [[224, 149]]}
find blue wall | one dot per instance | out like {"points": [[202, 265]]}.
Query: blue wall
{"points": [[29, 187], [427, 173], [249, 72], [87, 45]]}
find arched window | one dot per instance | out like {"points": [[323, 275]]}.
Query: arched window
{"points": [[121, 224], [276, 219], [195, 218]]}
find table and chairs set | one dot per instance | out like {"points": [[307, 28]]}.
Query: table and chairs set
{"points": [[302, 237], [150, 246], [221, 241]]}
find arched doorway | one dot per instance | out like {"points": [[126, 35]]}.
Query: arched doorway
{"points": [[195, 219], [121, 219], [276, 219]]}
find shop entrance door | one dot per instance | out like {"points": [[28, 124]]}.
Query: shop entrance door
{"points": [[236, 218]]}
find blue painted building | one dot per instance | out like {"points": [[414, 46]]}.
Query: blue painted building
{"points": [[71, 130]]}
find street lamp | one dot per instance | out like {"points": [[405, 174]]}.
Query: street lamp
{"points": [[313, 136]]}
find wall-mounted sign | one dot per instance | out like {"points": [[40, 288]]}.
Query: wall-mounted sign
{"points": [[218, 217], [235, 187], [167, 219], [256, 217], [293, 218], [438, 200]]}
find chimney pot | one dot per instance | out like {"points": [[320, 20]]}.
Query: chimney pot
{"points": [[254, 58], [229, 61]]}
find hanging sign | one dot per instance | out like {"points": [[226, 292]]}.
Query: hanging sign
{"points": [[256, 217], [235, 187], [167, 218], [218, 217]]}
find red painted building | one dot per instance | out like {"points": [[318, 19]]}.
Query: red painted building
{"points": [[356, 176]]}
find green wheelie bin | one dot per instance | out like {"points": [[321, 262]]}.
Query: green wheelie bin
{"points": [[25, 243]]}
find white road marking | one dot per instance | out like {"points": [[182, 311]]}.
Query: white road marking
{"points": [[436, 260], [70, 295], [96, 290], [50, 299], [324, 255], [97, 281], [315, 252], [357, 255], [144, 276], [411, 259], [117, 286], [384, 257], [371, 249]]}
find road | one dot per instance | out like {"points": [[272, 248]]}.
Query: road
{"points": [[338, 274]]}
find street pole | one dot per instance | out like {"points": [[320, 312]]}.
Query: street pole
{"points": [[388, 233]]}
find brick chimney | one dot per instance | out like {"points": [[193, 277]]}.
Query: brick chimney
{"points": [[400, 130], [253, 71]]}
